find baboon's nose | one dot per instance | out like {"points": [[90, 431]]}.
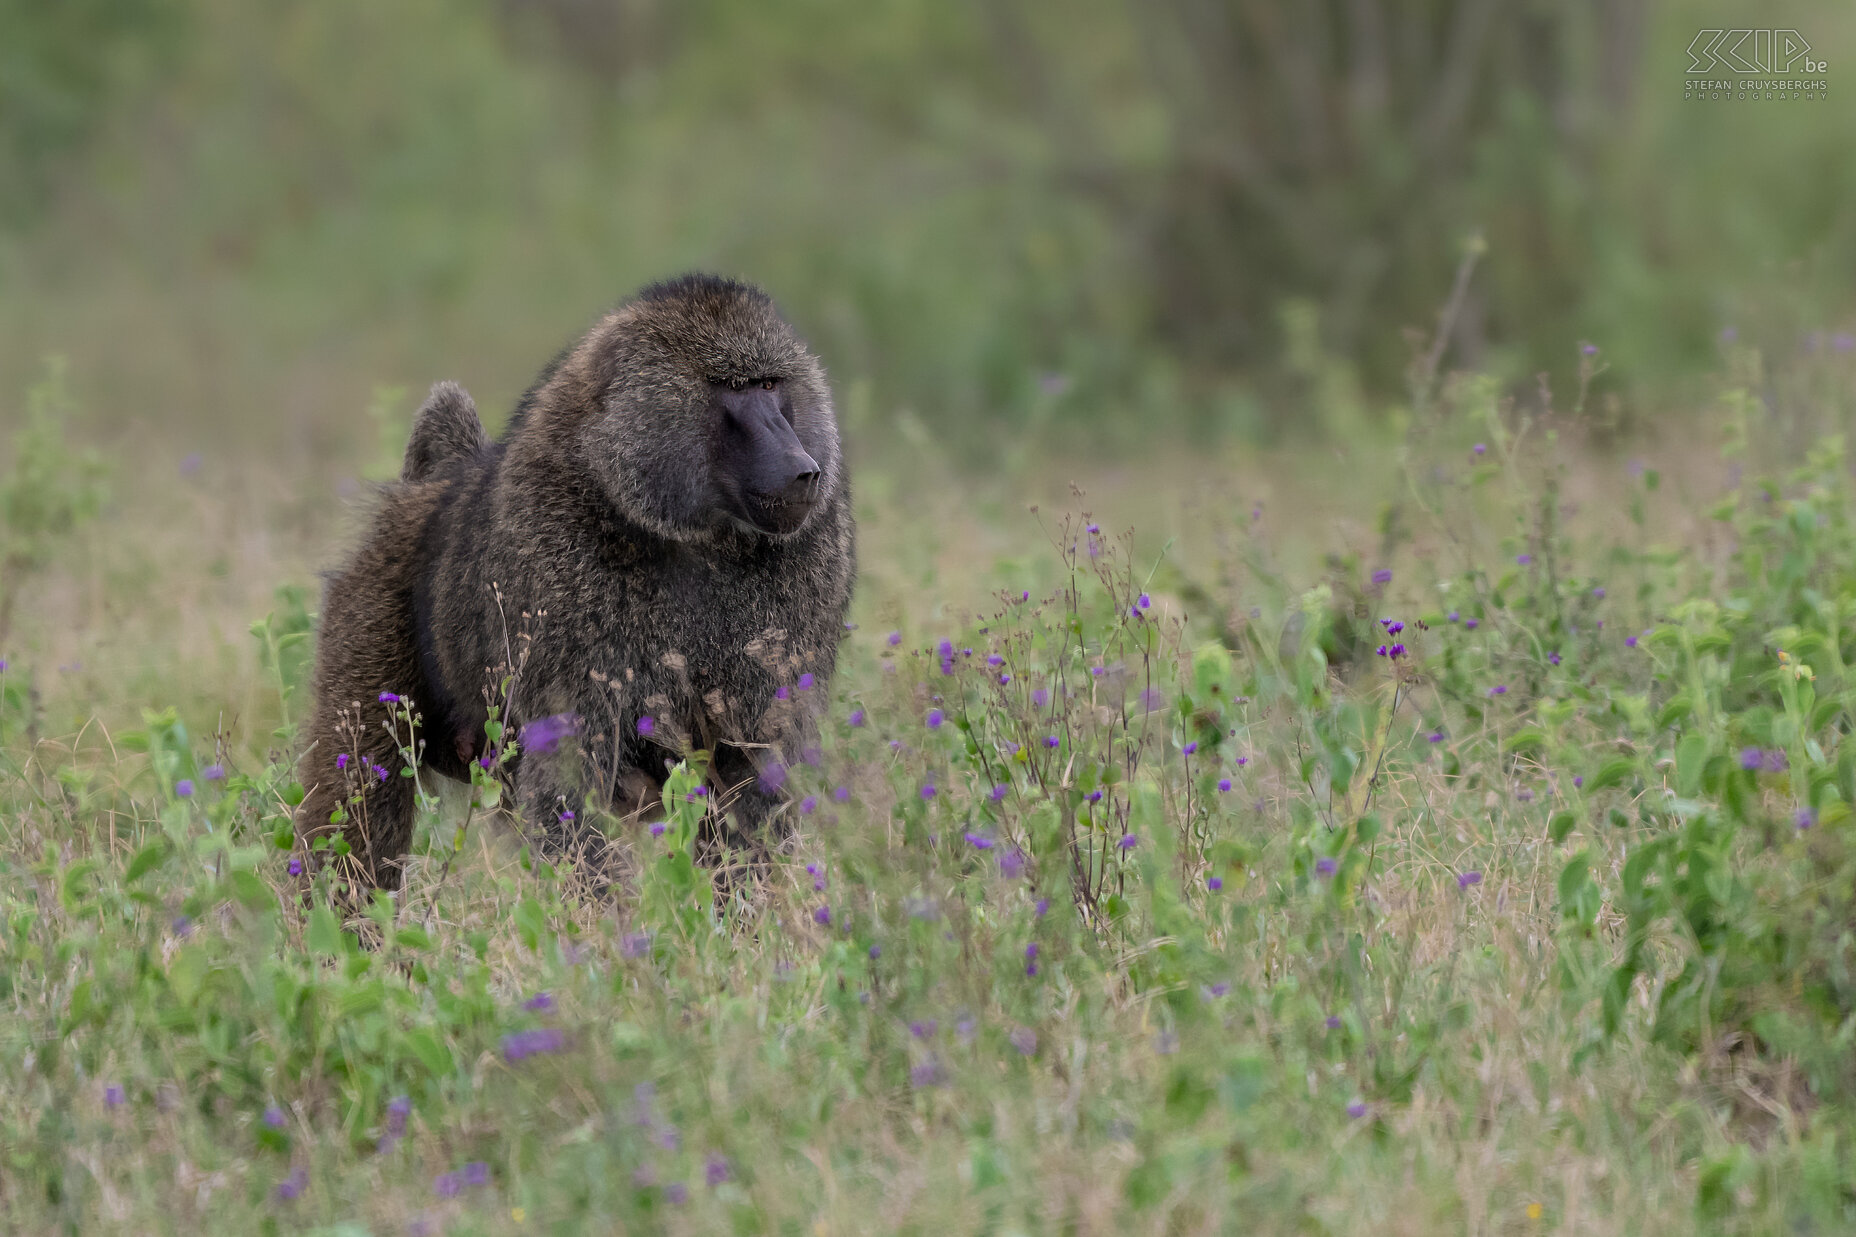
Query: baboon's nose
{"points": [[805, 474]]}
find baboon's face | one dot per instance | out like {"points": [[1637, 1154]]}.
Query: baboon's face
{"points": [[765, 478], [714, 414]]}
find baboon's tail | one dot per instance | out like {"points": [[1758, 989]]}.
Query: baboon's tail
{"points": [[446, 426]]}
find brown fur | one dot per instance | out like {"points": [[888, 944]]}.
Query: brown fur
{"points": [[589, 558]]}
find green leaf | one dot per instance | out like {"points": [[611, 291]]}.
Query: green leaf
{"points": [[1691, 759], [324, 936], [1612, 773], [429, 1050], [147, 860]]}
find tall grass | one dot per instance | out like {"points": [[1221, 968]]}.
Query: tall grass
{"points": [[1497, 879]]}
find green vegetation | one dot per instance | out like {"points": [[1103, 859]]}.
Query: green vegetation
{"points": [[1014, 221], [1501, 882], [1194, 912]]}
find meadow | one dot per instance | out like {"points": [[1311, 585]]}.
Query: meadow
{"points": [[1304, 762], [1471, 853]]}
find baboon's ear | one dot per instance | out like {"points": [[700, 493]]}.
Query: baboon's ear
{"points": [[446, 426]]}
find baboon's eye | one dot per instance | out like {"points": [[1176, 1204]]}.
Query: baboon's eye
{"points": [[767, 384]]}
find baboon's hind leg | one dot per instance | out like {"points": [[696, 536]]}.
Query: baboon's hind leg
{"points": [[352, 767]]}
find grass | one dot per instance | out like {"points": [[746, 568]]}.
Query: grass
{"points": [[1224, 924]]}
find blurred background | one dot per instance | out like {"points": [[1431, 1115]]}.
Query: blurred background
{"points": [[1139, 241]]}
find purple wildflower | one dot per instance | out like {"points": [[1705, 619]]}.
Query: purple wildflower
{"points": [[805, 682], [1012, 864], [1224, 785], [544, 734], [214, 773], [808, 805], [772, 777], [448, 1185], [341, 761], [1465, 879], [635, 944], [524, 1044], [1630, 642], [999, 792], [1333, 1022], [1751, 758], [647, 725], [476, 1173], [1599, 592], [1436, 736], [389, 698], [894, 638], [714, 1169], [184, 787], [935, 718], [857, 718], [979, 841], [540, 1003], [1357, 1109], [924, 1028], [1190, 748], [1214, 883], [1524, 795], [657, 828], [113, 1095], [782, 692], [945, 649], [876, 951], [1383, 576], [1325, 867], [1051, 741], [275, 1117], [293, 1185], [1470, 624], [842, 794], [1480, 448], [1524, 559], [1805, 818], [294, 867], [822, 916], [182, 926], [1128, 842], [928, 790], [1554, 657], [1217, 990], [1500, 689], [1146, 602], [926, 1074], [1577, 782], [1042, 908], [1588, 349]]}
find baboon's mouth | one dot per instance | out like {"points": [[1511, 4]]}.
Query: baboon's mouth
{"points": [[778, 513]]}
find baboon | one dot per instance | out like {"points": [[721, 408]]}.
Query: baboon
{"points": [[656, 556]]}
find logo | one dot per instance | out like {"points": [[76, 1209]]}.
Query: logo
{"points": [[1751, 51], [1751, 65]]}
